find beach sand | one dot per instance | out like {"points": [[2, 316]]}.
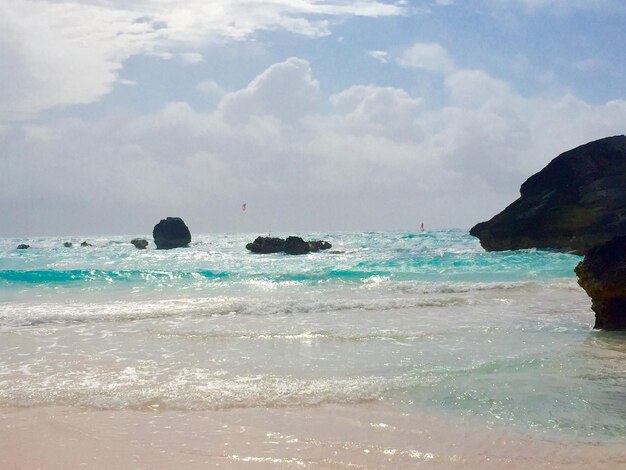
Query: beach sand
{"points": [[370, 435]]}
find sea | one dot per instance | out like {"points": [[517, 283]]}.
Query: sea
{"points": [[424, 322]]}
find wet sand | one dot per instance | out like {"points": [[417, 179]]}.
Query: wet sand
{"points": [[332, 436]]}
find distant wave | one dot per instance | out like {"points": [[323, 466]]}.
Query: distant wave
{"points": [[82, 275]]}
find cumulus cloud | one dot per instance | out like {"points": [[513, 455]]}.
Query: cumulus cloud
{"points": [[378, 110], [378, 159], [286, 90], [66, 53], [428, 56]]}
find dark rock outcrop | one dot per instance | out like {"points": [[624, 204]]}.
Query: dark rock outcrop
{"points": [[266, 245], [23, 246], [85, 244], [296, 246], [171, 233], [140, 243], [575, 203], [317, 245], [603, 276], [291, 245], [67, 244]]}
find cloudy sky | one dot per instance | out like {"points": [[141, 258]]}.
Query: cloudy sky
{"points": [[319, 114]]}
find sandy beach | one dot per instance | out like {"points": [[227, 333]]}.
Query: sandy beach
{"points": [[333, 436]]}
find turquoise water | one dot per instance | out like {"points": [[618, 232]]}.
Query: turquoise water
{"points": [[426, 321]]}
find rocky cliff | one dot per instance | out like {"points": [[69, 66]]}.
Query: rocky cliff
{"points": [[603, 276], [575, 203]]}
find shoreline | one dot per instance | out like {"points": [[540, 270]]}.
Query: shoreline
{"points": [[330, 436]]}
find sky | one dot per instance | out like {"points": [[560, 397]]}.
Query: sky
{"points": [[320, 115]]}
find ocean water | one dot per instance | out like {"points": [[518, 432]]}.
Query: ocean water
{"points": [[419, 321]]}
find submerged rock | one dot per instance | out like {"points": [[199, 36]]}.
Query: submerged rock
{"points": [[83, 244], [171, 233], [292, 245], [140, 243], [603, 276], [575, 203], [23, 246], [67, 244]]}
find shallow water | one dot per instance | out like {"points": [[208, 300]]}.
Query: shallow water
{"points": [[424, 322]]}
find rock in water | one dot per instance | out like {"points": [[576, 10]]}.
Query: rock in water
{"points": [[575, 203], [85, 243], [317, 245], [266, 245], [140, 243], [292, 245], [171, 233], [296, 246], [23, 246], [603, 276], [67, 244]]}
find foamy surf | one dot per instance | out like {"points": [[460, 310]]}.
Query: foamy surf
{"points": [[424, 323]]}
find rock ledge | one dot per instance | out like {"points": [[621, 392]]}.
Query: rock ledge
{"points": [[575, 203]]}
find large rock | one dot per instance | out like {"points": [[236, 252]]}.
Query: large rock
{"points": [[603, 276], [266, 245], [292, 245], [171, 233], [575, 203]]}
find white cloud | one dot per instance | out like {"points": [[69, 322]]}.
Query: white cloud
{"points": [[428, 56], [378, 110], [474, 88], [381, 56], [285, 90], [210, 87], [379, 159], [65, 53], [191, 57], [62, 53]]}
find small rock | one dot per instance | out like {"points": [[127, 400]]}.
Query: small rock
{"points": [[85, 244], [317, 245], [140, 243], [67, 244], [23, 246]]}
